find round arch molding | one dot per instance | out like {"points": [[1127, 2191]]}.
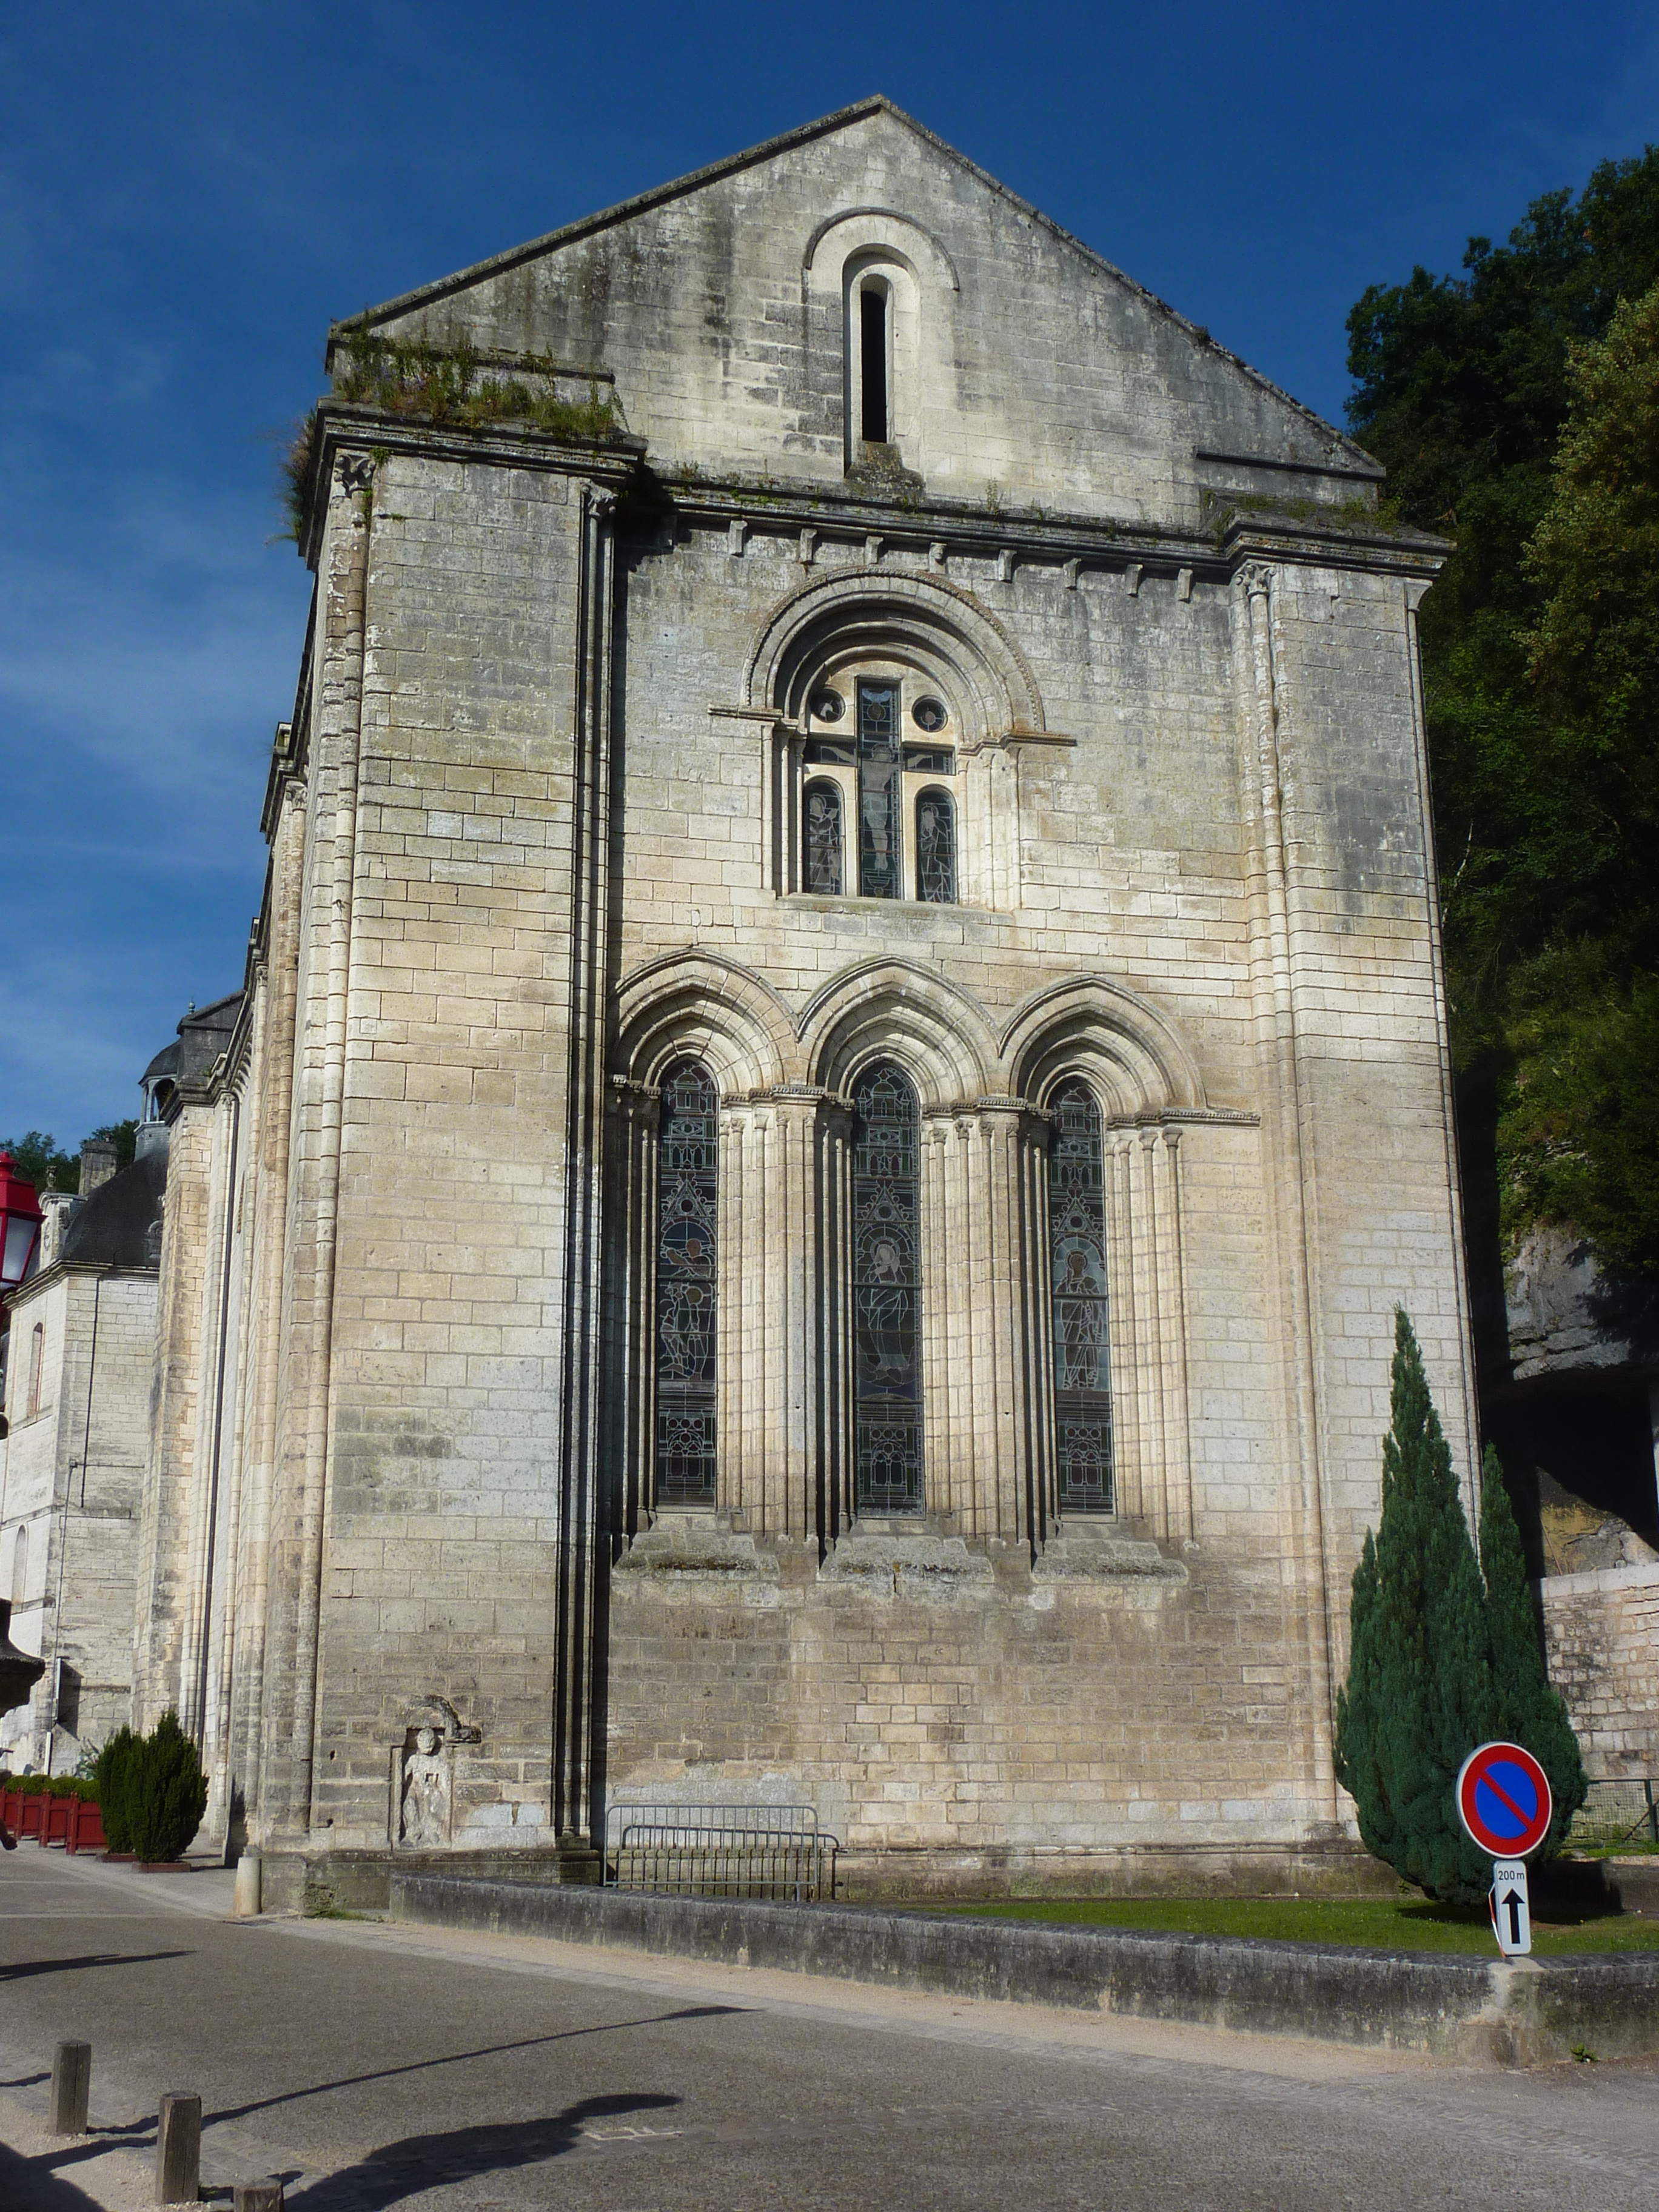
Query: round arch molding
{"points": [[713, 1009], [1139, 1062], [915, 616]]}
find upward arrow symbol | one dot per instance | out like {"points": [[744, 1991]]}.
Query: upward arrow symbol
{"points": [[1512, 1898]]}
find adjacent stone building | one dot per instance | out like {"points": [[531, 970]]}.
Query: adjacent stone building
{"points": [[843, 1067], [73, 1454]]}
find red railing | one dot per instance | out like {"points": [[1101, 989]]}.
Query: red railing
{"points": [[86, 1829], [74, 1822]]}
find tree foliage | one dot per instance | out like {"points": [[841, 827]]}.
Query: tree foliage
{"points": [[1444, 1656], [1580, 1128], [1419, 1697], [111, 1773], [39, 1160], [1526, 1710], [166, 1792], [1514, 408]]}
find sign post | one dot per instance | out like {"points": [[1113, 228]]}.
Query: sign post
{"points": [[1504, 1802], [1511, 1914]]}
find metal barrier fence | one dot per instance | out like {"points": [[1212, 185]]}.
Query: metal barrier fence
{"points": [[1618, 1814], [776, 1851]]}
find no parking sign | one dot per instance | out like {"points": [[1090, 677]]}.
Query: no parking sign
{"points": [[1504, 1802]]}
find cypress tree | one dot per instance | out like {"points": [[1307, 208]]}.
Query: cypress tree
{"points": [[1419, 1697], [1527, 1709]]}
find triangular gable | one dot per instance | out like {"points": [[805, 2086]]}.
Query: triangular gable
{"points": [[1052, 379]]}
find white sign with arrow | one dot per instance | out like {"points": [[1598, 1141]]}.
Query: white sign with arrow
{"points": [[1510, 1919]]}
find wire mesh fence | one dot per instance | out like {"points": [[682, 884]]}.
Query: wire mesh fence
{"points": [[1617, 1815], [772, 1851]]}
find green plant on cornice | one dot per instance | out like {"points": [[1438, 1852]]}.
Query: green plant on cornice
{"points": [[1356, 513], [446, 383], [299, 466]]}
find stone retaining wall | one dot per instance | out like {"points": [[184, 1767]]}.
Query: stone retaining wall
{"points": [[1469, 2009], [1602, 1633]]}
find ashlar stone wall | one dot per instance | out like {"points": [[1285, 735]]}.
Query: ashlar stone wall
{"points": [[537, 830], [73, 1475]]}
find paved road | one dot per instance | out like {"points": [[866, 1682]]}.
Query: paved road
{"points": [[374, 2067]]}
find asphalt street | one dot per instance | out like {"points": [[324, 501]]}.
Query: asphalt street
{"points": [[371, 2066]]}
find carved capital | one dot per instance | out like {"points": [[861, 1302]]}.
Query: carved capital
{"points": [[1257, 579]]}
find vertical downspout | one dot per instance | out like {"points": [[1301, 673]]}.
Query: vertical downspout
{"points": [[357, 476], [62, 1538], [576, 1813], [273, 1129], [1413, 593], [199, 1731], [1287, 1101]]}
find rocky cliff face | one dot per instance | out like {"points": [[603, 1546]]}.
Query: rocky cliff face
{"points": [[1566, 1313]]}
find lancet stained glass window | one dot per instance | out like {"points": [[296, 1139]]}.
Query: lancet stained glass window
{"points": [[1082, 1363], [823, 838], [886, 1293], [687, 1168], [879, 787], [936, 847]]}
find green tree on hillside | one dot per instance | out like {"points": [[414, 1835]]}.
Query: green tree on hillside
{"points": [[1538, 684], [1579, 1134], [39, 1162]]}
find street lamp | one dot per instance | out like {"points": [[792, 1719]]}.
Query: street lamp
{"points": [[20, 1224]]}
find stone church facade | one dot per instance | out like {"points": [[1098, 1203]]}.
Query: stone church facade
{"points": [[843, 1067]]}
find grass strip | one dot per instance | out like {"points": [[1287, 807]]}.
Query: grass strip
{"points": [[1369, 1924]]}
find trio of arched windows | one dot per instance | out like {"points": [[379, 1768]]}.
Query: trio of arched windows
{"points": [[887, 1289], [884, 770]]}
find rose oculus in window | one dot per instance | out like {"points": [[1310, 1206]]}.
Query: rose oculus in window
{"points": [[929, 714], [828, 706]]}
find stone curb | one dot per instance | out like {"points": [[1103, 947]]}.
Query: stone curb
{"points": [[1482, 2011]]}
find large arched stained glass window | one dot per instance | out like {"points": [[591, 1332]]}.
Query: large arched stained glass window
{"points": [[887, 1293], [687, 1173], [936, 847], [1082, 1363], [823, 834]]}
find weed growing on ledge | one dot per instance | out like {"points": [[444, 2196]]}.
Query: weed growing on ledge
{"points": [[441, 383], [298, 465], [444, 384]]}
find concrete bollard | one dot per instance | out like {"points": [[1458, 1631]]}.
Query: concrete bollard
{"points": [[71, 2086], [178, 2150], [265, 2196], [245, 1903]]}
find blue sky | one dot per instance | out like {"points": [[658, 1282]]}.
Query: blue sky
{"points": [[188, 194]]}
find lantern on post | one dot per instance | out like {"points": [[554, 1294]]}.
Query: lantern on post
{"points": [[20, 1224]]}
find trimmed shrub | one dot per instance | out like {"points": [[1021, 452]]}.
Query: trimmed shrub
{"points": [[166, 1793], [112, 1777]]}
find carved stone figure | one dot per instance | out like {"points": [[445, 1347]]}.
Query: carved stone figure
{"points": [[424, 1819]]}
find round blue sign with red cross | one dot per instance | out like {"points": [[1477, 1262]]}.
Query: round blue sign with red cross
{"points": [[1504, 1800]]}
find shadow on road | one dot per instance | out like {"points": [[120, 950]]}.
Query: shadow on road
{"points": [[28, 2184], [461, 2058], [28, 1967], [422, 2162]]}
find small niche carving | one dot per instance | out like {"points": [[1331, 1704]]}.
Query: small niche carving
{"points": [[423, 1775]]}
